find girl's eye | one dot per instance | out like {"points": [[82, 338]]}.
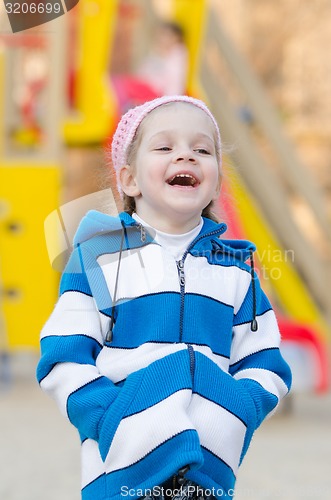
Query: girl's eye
{"points": [[202, 151], [164, 148]]}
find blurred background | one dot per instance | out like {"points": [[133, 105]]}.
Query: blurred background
{"points": [[264, 69]]}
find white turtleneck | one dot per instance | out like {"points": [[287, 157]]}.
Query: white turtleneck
{"points": [[176, 244]]}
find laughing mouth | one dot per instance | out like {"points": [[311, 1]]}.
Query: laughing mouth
{"points": [[186, 180]]}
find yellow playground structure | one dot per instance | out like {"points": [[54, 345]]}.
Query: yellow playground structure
{"points": [[55, 99]]}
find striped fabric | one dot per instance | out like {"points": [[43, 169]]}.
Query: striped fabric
{"points": [[183, 381]]}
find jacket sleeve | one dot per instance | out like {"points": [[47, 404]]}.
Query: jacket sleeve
{"points": [[255, 361], [70, 343]]}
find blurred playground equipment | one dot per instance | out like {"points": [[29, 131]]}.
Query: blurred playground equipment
{"points": [[31, 93], [71, 103]]}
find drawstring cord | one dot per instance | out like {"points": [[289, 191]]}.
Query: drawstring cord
{"points": [[254, 324], [109, 335]]}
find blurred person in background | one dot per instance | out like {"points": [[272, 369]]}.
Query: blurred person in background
{"points": [[162, 72], [165, 68]]}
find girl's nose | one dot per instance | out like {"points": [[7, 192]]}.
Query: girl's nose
{"points": [[185, 156]]}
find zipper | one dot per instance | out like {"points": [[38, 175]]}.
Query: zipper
{"points": [[192, 360], [181, 276], [212, 233]]}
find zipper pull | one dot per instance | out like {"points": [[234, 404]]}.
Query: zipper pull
{"points": [[181, 274], [181, 474]]}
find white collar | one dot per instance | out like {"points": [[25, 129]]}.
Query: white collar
{"points": [[176, 244]]}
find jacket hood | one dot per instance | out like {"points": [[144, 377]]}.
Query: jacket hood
{"points": [[212, 231], [240, 249], [95, 223]]}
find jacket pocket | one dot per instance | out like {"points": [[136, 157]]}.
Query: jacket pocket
{"points": [[156, 420], [112, 417], [222, 411]]}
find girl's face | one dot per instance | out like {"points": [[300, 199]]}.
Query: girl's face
{"points": [[175, 172]]}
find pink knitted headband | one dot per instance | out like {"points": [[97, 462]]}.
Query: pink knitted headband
{"points": [[129, 123]]}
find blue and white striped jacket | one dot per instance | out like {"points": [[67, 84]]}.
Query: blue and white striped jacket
{"points": [[184, 378]]}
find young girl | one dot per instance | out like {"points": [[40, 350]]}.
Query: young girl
{"points": [[162, 350]]}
